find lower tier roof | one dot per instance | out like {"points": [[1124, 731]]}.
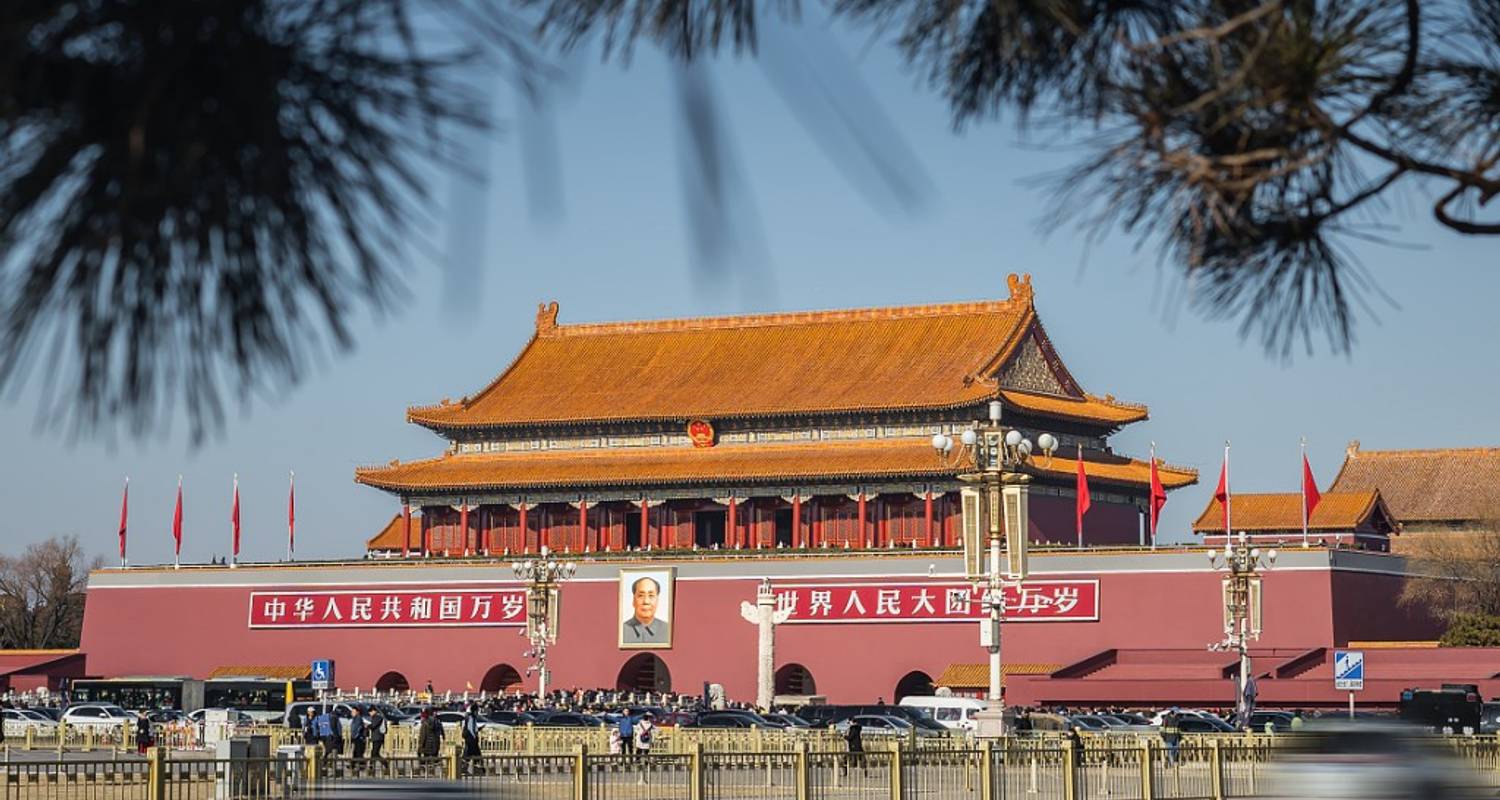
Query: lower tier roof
{"points": [[725, 464]]}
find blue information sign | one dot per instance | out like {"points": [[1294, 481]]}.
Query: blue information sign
{"points": [[1349, 670], [322, 673]]}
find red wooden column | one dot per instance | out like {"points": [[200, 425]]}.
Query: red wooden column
{"points": [[797, 520], [406, 538], [753, 529], [732, 534], [860, 526], [583, 525], [814, 523], [463, 525], [525, 545], [882, 523], [927, 516], [645, 523]]}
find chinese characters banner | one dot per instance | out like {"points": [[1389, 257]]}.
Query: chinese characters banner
{"points": [[1033, 601], [388, 608]]}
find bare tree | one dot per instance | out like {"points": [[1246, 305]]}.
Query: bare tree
{"points": [[42, 594], [1456, 573]]}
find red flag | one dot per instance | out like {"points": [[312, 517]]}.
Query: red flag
{"points": [[177, 518], [1083, 495], [124, 515], [1158, 496], [234, 517], [291, 516], [1221, 493], [1310, 494]]}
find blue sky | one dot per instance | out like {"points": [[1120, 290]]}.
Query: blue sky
{"points": [[1422, 373]]}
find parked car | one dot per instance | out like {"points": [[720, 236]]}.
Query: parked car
{"points": [[50, 712], [722, 720], [569, 719], [791, 721], [236, 717], [166, 716], [1281, 721], [1204, 724], [882, 725], [954, 713], [101, 716], [1132, 721], [20, 720], [454, 719]]}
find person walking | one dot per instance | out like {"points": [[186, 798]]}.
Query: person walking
{"points": [[375, 730], [429, 739], [854, 739], [627, 733], [473, 758], [142, 733], [359, 735], [1171, 734], [644, 732], [337, 724], [310, 727], [325, 730]]}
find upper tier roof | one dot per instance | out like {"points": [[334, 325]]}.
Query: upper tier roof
{"points": [[914, 357], [1461, 485]]}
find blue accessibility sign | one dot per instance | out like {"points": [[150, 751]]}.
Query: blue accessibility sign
{"points": [[322, 673], [1349, 670]]}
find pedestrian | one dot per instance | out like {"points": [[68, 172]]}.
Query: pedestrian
{"points": [[473, 758], [324, 724], [429, 738], [375, 729], [337, 723], [645, 731], [1297, 720], [310, 727], [1171, 734], [142, 733], [627, 733], [359, 734], [854, 739]]}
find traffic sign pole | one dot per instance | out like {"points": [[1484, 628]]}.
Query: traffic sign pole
{"points": [[1351, 705]]}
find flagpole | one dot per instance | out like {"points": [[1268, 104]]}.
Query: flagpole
{"points": [[124, 511], [291, 514], [1151, 502], [234, 545], [177, 528], [1228, 536], [1304, 494]]}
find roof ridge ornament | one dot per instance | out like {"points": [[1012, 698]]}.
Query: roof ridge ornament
{"points": [[546, 317], [1020, 287]]}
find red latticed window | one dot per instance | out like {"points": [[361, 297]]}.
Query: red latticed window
{"points": [[504, 526], [840, 525], [906, 522]]}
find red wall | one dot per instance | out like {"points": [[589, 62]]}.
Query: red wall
{"points": [[192, 630]]}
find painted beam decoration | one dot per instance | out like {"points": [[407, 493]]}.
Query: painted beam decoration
{"points": [[389, 608], [1033, 601]]}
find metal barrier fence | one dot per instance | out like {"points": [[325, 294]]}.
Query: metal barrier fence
{"points": [[1207, 769]]}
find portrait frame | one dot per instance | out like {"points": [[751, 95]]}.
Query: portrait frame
{"points": [[666, 582]]}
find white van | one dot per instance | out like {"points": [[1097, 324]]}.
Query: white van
{"points": [[956, 713]]}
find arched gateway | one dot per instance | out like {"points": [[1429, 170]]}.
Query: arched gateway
{"points": [[913, 684], [644, 672], [795, 679], [501, 678], [392, 682]]}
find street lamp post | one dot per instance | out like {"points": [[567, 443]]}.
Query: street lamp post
{"points": [[997, 510], [542, 576], [1242, 602]]}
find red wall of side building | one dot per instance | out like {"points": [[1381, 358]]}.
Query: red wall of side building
{"points": [[191, 630]]}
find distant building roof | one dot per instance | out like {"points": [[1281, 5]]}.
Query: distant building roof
{"points": [[279, 672], [977, 676], [817, 362], [1336, 511], [1454, 485], [389, 537], [13, 661]]}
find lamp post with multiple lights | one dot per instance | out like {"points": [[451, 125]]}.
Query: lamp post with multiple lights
{"points": [[1242, 602], [542, 576], [995, 508]]}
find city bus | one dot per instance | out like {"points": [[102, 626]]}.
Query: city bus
{"points": [[140, 693], [265, 699]]}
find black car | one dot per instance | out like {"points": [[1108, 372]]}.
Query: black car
{"points": [[721, 720], [569, 719]]}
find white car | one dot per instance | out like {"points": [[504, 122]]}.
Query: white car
{"points": [[20, 720], [453, 720], [235, 717], [882, 725], [101, 716]]}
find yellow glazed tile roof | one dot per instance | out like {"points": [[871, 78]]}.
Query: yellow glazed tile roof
{"points": [[977, 676], [1460, 484], [1336, 511], [283, 672], [937, 356], [907, 457], [389, 537]]}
